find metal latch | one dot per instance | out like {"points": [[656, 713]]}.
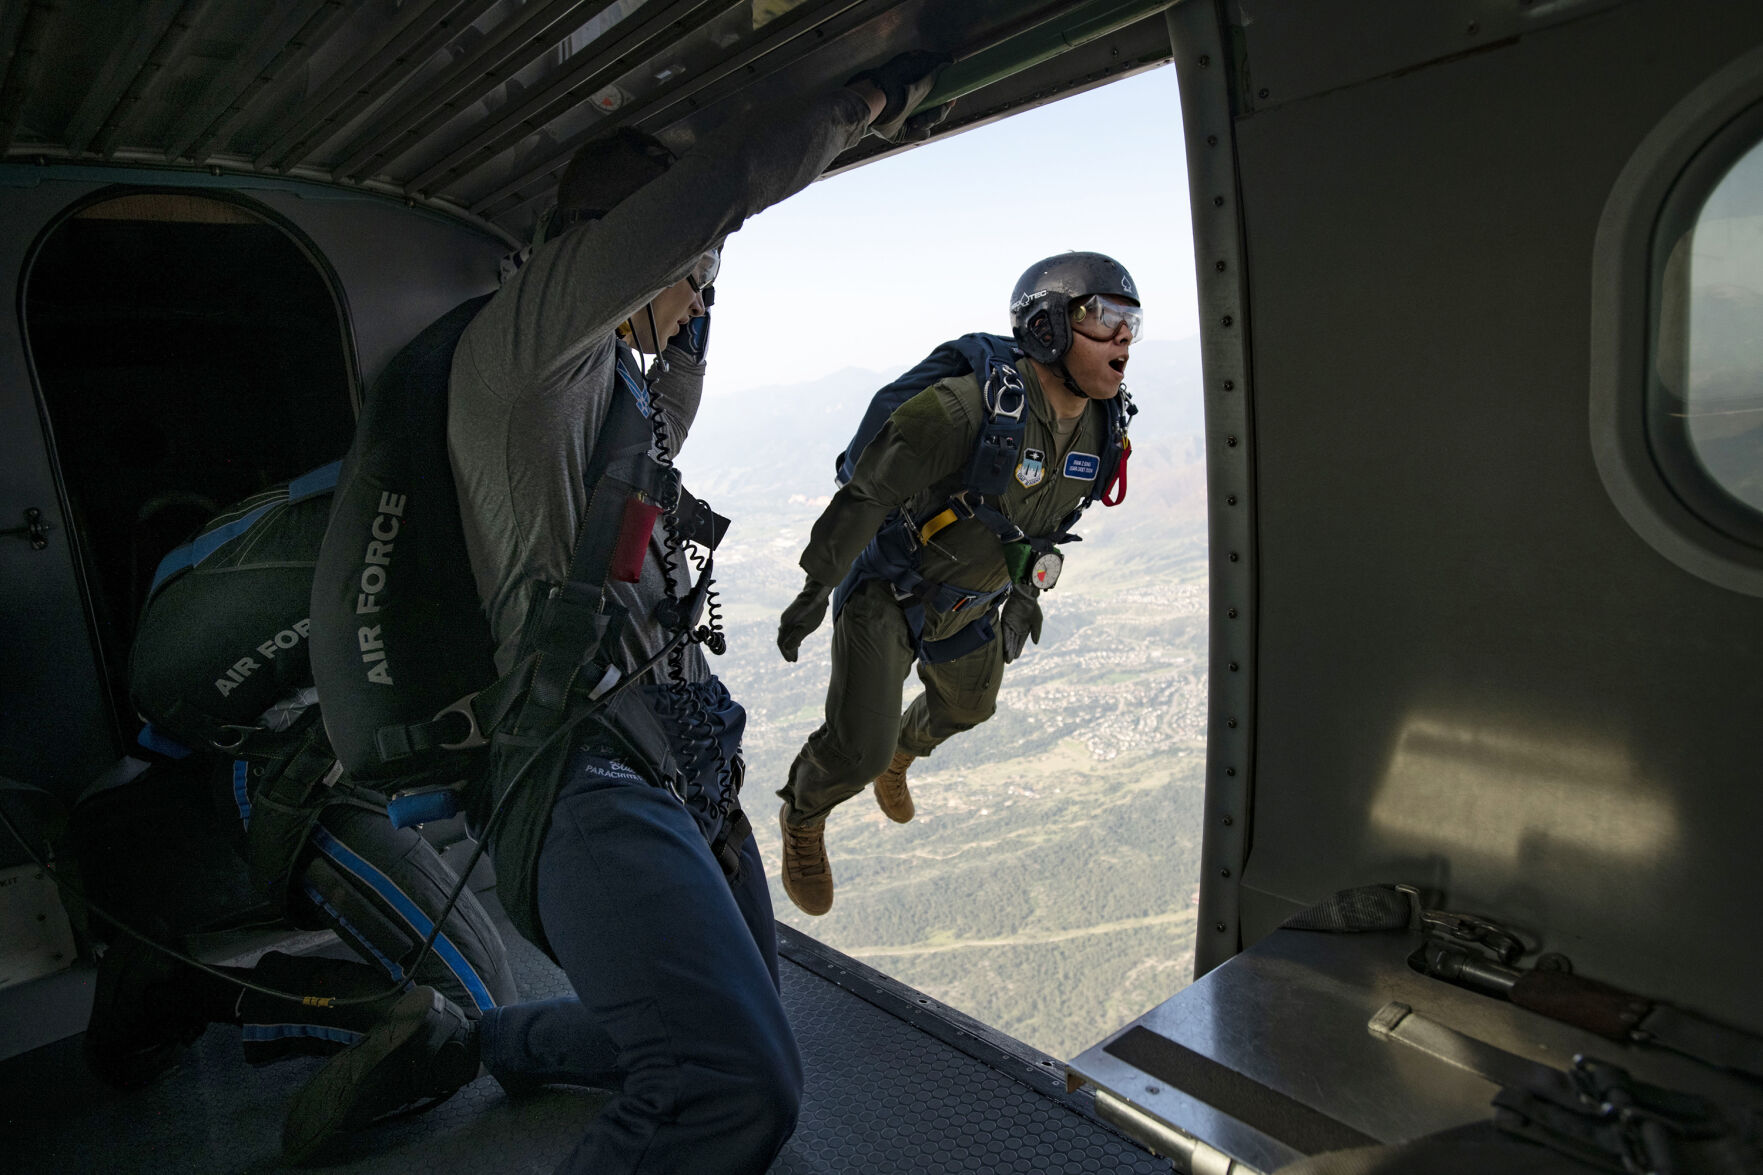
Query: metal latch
{"points": [[1469, 929], [34, 529]]}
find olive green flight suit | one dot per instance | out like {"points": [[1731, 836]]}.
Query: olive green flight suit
{"points": [[918, 458]]}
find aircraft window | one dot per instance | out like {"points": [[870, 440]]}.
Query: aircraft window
{"points": [[188, 353], [1705, 381]]}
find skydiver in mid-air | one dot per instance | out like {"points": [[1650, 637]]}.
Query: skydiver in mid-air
{"points": [[967, 474]]}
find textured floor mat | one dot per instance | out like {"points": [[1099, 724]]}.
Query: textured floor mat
{"points": [[883, 1096]]}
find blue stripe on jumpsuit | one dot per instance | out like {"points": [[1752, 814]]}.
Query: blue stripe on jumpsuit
{"points": [[263, 1033], [318, 899], [241, 790], [348, 860]]}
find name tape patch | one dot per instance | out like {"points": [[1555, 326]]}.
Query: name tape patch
{"points": [[1082, 466]]}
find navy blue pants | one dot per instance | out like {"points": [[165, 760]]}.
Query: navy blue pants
{"points": [[675, 972]]}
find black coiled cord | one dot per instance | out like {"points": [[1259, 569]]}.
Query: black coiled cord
{"points": [[681, 703]]}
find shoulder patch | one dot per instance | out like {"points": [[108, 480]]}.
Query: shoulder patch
{"points": [[1082, 466], [1032, 468]]}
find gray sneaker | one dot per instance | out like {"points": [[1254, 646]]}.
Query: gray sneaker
{"points": [[417, 1057]]}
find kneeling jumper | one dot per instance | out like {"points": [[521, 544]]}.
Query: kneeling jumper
{"points": [[671, 951]]}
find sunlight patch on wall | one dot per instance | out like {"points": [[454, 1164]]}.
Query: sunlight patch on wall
{"points": [[1503, 795]]}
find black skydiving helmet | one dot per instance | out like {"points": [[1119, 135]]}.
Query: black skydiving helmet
{"points": [[1040, 306]]}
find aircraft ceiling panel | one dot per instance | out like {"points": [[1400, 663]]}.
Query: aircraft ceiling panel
{"points": [[473, 106], [1300, 50]]}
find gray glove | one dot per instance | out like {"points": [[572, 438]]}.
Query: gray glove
{"points": [[904, 80], [1019, 623], [802, 617]]}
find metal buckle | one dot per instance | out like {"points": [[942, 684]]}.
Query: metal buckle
{"points": [[241, 734], [1470, 929], [1001, 381], [1605, 1087], [958, 502], [474, 737], [1474, 931]]}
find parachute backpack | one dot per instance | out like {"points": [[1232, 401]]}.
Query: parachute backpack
{"points": [[403, 653], [221, 664], [893, 554], [220, 657], [398, 633]]}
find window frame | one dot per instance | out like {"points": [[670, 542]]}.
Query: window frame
{"points": [[1668, 433], [1657, 487]]}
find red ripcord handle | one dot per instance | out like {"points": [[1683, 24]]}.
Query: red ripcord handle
{"points": [[1115, 494], [633, 539]]}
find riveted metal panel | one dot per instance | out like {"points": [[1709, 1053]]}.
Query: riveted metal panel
{"points": [[1296, 51], [1203, 63]]}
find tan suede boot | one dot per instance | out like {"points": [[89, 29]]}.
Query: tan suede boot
{"points": [[808, 875], [890, 789]]}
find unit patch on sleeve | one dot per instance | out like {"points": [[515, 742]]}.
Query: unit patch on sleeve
{"points": [[1032, 468], [1082, 466]]}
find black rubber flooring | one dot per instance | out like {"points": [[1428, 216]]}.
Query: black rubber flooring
{"points": [[887, 1092]]}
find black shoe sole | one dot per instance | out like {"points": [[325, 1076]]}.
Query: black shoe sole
{"points": [[138, 1027], [347, 1093]]}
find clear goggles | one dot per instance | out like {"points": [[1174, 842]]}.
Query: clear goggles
{"points": [[1099, 316], [705, 269]]}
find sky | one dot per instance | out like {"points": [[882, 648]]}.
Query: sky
{"points": [[874, 267]]}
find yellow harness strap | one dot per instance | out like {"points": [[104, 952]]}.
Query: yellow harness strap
{"points": [[937, 522]]}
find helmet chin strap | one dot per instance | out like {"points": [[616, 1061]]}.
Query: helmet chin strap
{"points": [[655, 335], [1065, 374]]}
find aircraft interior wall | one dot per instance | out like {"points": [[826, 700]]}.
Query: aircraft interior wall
{"points": [[183, 365], [1472, 672], [253, 332]]}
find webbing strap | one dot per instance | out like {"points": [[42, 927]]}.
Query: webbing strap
{"points": [[572, 620], [949, 648], [736, 828], [1350, 911], [1115, 494], [575, 620], [946, 517], [320, 481], [308, 485]]}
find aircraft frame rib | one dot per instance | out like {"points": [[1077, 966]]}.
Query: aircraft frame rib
{"points": [[147, 76], [311, 37], [481, 70], [21, 61], [223, 91], [795, 24], [621, 51], [119, 71], [377, 69]]}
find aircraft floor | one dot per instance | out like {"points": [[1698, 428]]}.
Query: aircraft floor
{"points": [[890, 1088]]}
